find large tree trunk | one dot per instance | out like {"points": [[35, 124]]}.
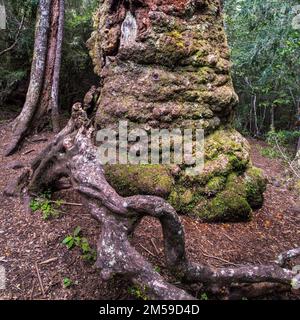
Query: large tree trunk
{"points": [[165, 64], [42, 94]]}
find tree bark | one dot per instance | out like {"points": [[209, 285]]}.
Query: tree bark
{"points": [[72, 154], [254, 98], [56, 72], [272, 126], [42, 94]]}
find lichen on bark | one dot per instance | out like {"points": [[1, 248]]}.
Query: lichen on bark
{"points": [[166, 64]]}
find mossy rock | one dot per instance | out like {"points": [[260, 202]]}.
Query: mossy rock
{"points": [[226, 141], [225, 151], [140, 179], [226, 206], [255, 185], [235, 202], [223, 198], [182, 199], [215, 185]]}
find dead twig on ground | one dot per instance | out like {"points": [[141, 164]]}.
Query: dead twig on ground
{"points": [[32, 289], [152, 254], [40, 279], [154, 245], [27, 152], [48, 261], [205, 254]]}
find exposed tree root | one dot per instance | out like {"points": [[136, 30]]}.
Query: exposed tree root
{"points": [[287, 255], [255, 290], [73, 154]]}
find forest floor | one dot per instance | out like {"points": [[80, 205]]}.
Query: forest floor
{"points": [[30, 245]]}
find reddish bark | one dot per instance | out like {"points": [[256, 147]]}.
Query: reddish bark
{"points": [[50, 63]]}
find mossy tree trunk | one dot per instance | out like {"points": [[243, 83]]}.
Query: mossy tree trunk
{"points": [[166, 64], [41, 105]]}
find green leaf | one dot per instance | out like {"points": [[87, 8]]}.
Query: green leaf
{"points": [[67, 282], [85, 245], [67, 239], [77, 241], [77, 231], [34, 205], [69, 242], [204, 296]]}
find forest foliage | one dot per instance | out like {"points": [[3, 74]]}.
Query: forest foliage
{"points": [[264, 37], [77, 72]]}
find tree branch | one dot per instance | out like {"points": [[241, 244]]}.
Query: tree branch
{"points": [[16, 37]]}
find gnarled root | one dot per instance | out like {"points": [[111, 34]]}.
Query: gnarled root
{"points": [[73, 154]]}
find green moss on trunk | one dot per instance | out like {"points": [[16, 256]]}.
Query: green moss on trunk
{"points": [[174, 72]]}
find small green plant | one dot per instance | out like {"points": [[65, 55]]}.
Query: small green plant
{"points": [[269, 152], [157, 269], [47, 207], [75, 240], [67, 282], [137, 292], [283, 144], [204, 296], [284, 138]]}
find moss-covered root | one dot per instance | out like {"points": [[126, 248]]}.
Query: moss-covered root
{"points": [[140, 179], [223, 198], [240, 195], [226, 206]]}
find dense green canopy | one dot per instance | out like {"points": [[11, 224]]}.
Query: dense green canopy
{"points": [[265, 40]]}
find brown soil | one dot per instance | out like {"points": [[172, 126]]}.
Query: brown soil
{"points": [[26, 240]]}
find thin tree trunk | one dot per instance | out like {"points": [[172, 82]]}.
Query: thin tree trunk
{"points": [[22, 122], [51, 56], [250, 118], [42, 95], [56, 72], [298, 124], [272, 126], [263, 119], [255, 114], [16, 37]]}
